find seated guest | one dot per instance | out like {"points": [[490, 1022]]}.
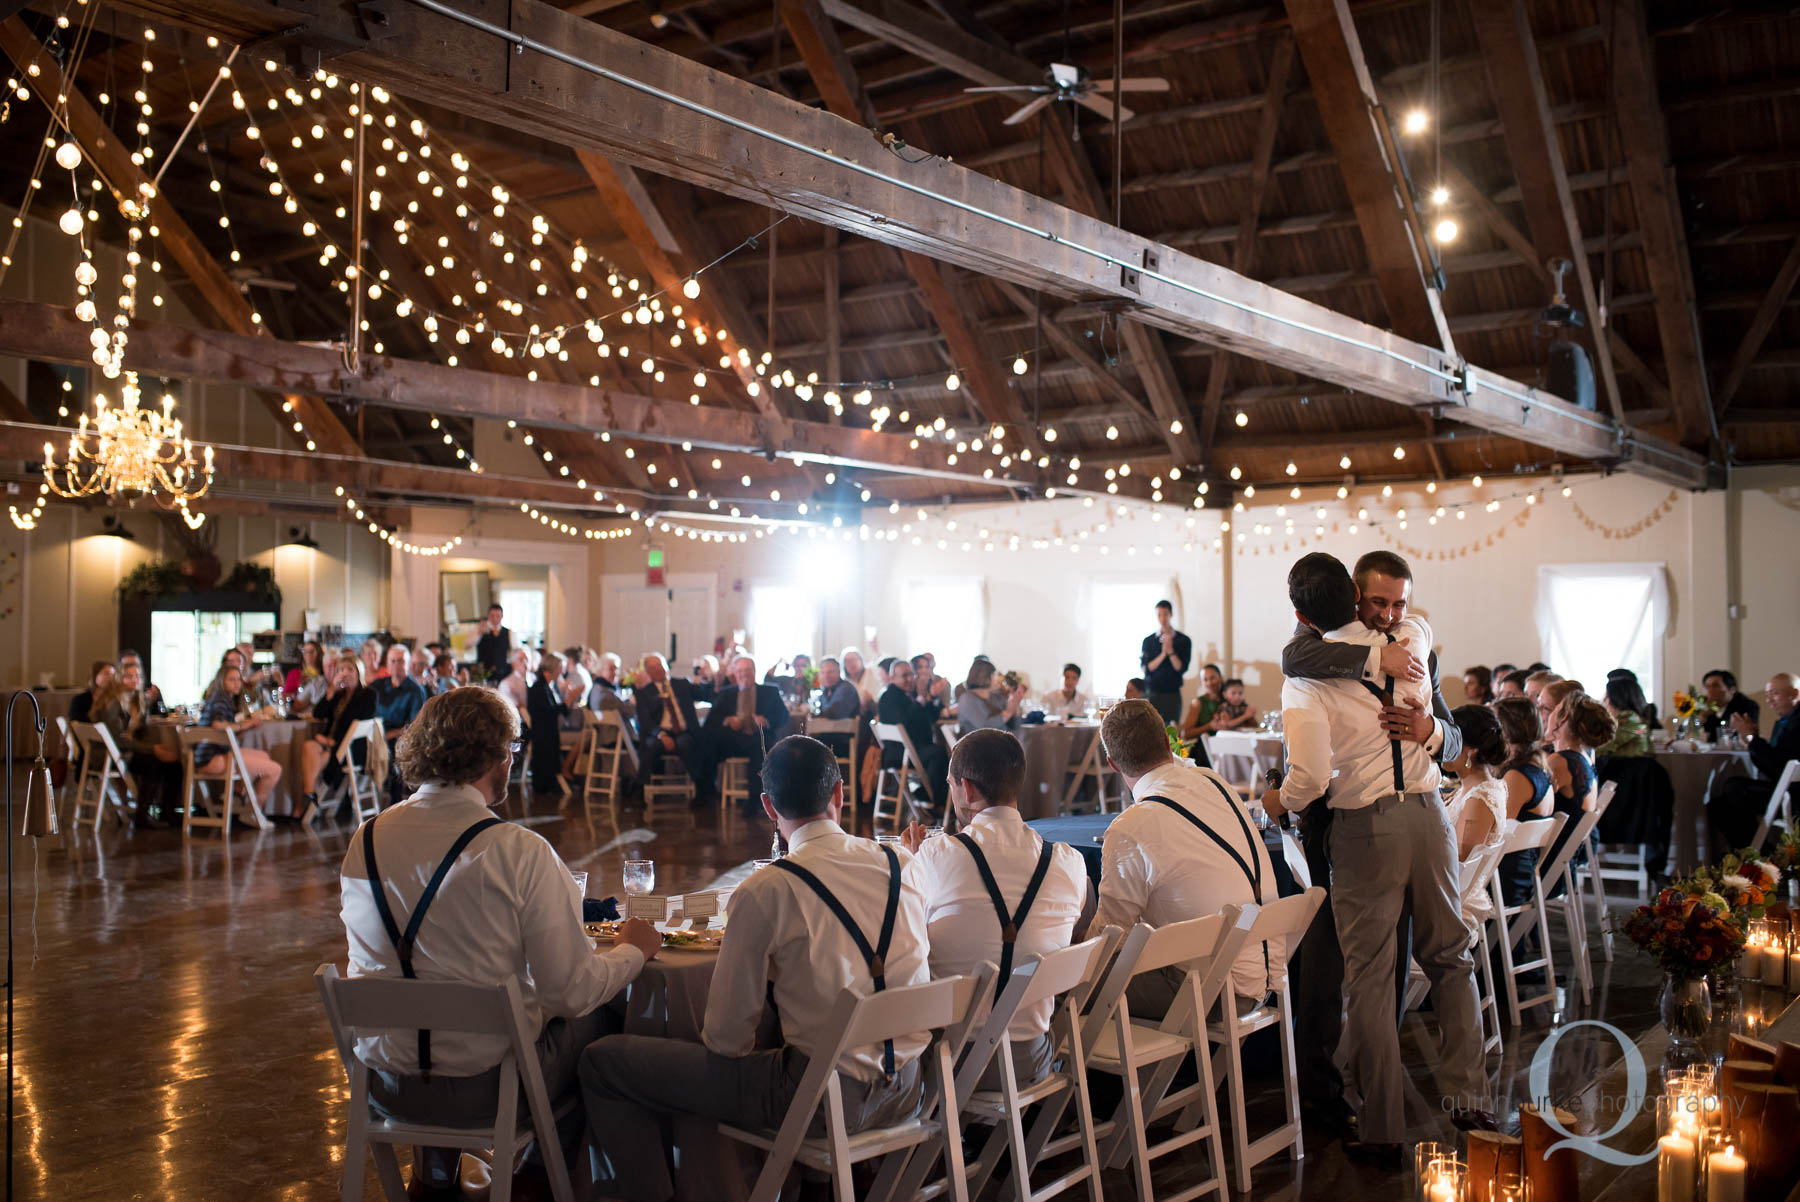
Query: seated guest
{"points": [[900, 706], [706, 678], [1234, 711], [100, 679], [1202, 713], [506, 910], [1631, 734], [987, 704], [994, 874], [374, 660], [154, 704], [1722, 691], [1737, 810], [398, 697], [575, 670], [793, 685], [153, 763], [1478, 811], [1134, 689], [838, 700], [1536, 681], [1068, 701], [1512, 685], [1478, 685], [348, 702], [517, 681], [1526, 776], [1576, 724], [442, 677], [211, 759], [668, 726], [306, 683], [789, 945], [1648, 709], [545, 704], [606, 695], [1160, 865], [865, 680], [745, 718], [1502, 671], [928, 685]]}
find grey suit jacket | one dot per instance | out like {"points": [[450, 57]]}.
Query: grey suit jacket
{"points": [[1309, 656]]}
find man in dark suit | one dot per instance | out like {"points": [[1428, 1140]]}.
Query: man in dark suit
{"points": [[668, 725], [1384, 584], [494, 647], [897, 706], [1722, 691], [746, 719], [1738, 808]]}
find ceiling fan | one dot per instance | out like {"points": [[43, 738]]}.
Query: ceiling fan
{"points": [[1073, 84]]}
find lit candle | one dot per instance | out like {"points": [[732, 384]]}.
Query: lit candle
{"points": [[1753, 958], [1774, 969], [1725, 1176], [1675, 1165], [1793, 971], [1444, 1190]]}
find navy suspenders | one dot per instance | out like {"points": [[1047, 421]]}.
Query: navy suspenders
{"points": [[403, 942], [1254, 876], [1385, 695], [1010, 925], [875, 957]]}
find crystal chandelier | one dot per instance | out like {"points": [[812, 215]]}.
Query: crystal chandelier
{"points": [[129, 449]]}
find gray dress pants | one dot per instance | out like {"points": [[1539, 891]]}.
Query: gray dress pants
{"points": [[629, 1083], [1396, 853]]}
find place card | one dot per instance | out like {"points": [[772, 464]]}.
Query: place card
{"points": [[700, 905], [646, 906]]}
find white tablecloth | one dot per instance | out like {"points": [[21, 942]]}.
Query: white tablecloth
{"points": [[1244, 755], [1695, 775]]}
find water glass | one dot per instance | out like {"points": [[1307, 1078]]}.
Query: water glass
{"points": [[581, 880], [640, 876]]}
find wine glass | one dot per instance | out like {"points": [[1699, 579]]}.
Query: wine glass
{"points": [[640, 876]]}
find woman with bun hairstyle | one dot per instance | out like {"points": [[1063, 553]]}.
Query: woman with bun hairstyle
{"points": [[1578, 725], [1478, 809]]}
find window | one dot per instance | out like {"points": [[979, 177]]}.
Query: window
{"points": [[783, 623], [1120, 613], [947, 617], [1593, 618], [525, 608]]}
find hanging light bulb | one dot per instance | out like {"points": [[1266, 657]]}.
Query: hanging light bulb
{"points": [[1446, 230], [1242, 418], [68, 156], [71, 222], [1415, 122], [1440, 195], [691, 288], [1020, 367], [952, 381]]}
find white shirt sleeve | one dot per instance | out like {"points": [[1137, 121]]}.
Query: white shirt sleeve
{"points": [[569, 977], [1124, 881], [1413, 634], [1308, 734], [734, 1005]]}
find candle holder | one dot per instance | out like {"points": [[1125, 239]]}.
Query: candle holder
{"points": [[1425, 1154], [1679, 1153], [1511, 1187], [1775, 956], [1444, 1180]]}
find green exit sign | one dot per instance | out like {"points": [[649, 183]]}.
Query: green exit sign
{"points": [[653, 568], [655, 559]]}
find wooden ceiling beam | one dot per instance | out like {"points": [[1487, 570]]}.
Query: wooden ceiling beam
{"points": [[987, 381], [219, 296], [574, 81], [1516, 79], [1352, 116], [1655, 195], [1760, 324]]}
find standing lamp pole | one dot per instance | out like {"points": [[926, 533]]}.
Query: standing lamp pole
{"points": [[40, 820]]}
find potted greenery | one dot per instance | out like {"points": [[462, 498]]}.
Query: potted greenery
{"points": [[254, 578], [155, 579]]}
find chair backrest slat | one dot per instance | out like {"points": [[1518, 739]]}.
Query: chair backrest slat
{"points": [[1539, 833], [382, 1003], [908, 1010], [1180, 942]]}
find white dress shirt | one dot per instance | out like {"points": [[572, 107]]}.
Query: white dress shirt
{"points": [[1156, 868], [964, 928], [1334, 736], [781, 932], [508, 909], [513, 687], [1057, 704]]}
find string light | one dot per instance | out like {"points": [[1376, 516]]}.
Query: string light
{"points": [[392, 538]]}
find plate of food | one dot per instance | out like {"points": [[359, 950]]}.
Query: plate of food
{"points": [[608, 932]]}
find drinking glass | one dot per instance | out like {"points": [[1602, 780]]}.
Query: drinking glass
{"points": [[894, 839], [640, 876], [581, 880]]}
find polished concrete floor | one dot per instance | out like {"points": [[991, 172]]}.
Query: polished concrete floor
{"points": [[170, 1044]]}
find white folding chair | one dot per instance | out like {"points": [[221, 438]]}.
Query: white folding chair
{"points": [[846, 727], [1779, 812], [899, 777], [855, 1021], [1204, 949], [235, 780], [1568, 902], [104, 785], [1063, 977], [1475, 878], [605, 735], [1279, 924], [1235, 761], [359, 785], [374, 1004], [1538, 834], [1593, 887]]}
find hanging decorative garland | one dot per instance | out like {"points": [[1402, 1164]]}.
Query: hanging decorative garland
{"points": [[1661, 511]]}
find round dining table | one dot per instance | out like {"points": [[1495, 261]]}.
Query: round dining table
{"points": [[1052, 751], [668, 999], [1695, 773]]}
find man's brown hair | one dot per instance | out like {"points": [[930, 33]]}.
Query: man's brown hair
{"points": [[1134, 736], [993, 761]]}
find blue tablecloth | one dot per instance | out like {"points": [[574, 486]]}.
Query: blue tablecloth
{"points": [[1084, 832]]}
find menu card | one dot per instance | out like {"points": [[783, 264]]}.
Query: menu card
{"points": [[648, 907]]}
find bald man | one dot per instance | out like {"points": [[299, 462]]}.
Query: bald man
{"points": [[1737, 809], [746, 720]]}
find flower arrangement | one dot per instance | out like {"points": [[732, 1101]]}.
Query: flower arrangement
{"points": [[1177, 746], [1690, 934], [810, 677], [1744, 880], [1786, 855]]}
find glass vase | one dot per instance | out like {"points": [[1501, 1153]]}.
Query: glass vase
{"points": [[1686, 1006]]}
